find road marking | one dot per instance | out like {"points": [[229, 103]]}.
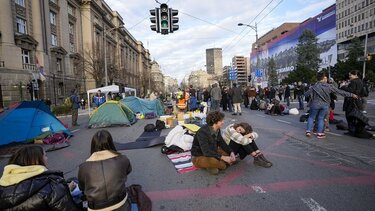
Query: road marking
{"points": [[260, 115], [335, 134], [258, 189], [75, 130], [313, 205], [279, 120]]}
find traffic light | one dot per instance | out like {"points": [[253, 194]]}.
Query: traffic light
{"points": [[155, 13], [164, 19], [173, 20], [369, 57]]}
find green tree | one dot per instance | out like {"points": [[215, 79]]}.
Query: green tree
{"points": [[308, 59], [272, 74]]}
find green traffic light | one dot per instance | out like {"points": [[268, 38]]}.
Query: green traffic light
{"points": [[164, 24]]}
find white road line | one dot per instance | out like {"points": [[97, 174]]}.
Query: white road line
{"points": [[279, 120], [73, 131], [258, 189], [313, 205], [260, 115], [335, 134]]}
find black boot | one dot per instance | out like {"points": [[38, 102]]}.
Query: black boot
{"points": [[260, 160]]}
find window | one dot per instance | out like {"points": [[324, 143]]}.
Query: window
{"points": [[52, 18], [70, 10], [21, 25], [72, 47], [53, 40], [58, 65], [20, 3], [25, 56], [71, 28]]}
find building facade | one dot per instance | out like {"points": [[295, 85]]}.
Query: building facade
{"points": [[56, 46], [170, 85], [214, 61], [283, 49], [200, 79], [156, 82], [240, 63], [355, 19]]}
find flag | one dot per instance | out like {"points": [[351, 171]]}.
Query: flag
{"points": [[42, 74]]}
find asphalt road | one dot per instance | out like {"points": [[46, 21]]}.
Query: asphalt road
{"points": [[337, 173]]}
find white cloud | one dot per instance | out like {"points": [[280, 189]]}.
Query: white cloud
{"points": [[209, 23]]}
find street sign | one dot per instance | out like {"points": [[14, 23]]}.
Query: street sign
{"points": [[232, 74], [258, 72]]}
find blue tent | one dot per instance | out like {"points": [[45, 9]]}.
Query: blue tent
{"points": [[28, 120], [144, 106]]}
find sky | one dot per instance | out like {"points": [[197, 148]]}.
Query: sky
{"points": [[207, 24]]}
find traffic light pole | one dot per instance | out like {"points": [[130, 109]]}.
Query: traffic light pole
{"points": [[365, 56]]}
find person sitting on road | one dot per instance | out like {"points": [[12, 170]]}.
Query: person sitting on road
{"points": [[102, 177], [209, 150], [241, 139], [27, 184]]}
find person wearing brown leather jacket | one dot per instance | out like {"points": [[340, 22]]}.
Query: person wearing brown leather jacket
{"points": [[102, 177]]}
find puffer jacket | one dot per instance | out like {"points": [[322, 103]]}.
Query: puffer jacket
{"points": [[46, 191], [102, 179]]}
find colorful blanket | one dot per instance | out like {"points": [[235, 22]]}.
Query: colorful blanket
{"points": [[182, 162]]}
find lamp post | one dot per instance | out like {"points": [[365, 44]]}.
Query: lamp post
{"points": [[255, 28], [105, 51]]}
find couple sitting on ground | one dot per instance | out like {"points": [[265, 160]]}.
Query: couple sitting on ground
{"points": [[27, 184], [213, 151]]}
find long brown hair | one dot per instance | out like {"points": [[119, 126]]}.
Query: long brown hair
{"points": [[102, 140], [29, 155], [248, 129]]}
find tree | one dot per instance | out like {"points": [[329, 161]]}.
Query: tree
{"points": [[272, 74], [308, 59], [94, 65]]}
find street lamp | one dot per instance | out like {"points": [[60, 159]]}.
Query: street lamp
{"points": [[105, 50], [255, 28]]}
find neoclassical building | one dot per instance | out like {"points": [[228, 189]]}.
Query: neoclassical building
{"points": [[50, 47]]}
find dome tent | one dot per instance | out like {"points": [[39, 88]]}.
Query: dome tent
{"points": [[112, 113]]}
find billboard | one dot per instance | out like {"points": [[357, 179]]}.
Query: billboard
{"points": [[283, 48]]}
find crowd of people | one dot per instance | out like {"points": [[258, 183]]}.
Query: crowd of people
{"points": [[28, 184]]}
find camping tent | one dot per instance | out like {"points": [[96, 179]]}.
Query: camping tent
{"points": [[104, 90], [143, 106], [26, 121], [112, 113]]}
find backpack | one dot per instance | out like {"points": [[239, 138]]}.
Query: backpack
{"points": [[68, 102], [159, 125], [149, 128]]}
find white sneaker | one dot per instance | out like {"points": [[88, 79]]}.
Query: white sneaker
{"points": [[365, 112]]}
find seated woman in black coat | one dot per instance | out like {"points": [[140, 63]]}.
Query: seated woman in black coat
{"points": [[27, 184], [102, 177]]}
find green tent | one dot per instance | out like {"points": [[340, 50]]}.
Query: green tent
{"points": [[112, 113]]}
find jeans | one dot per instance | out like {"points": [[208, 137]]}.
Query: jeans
{"points": [[300, 101], [287, 99], [319, 111], [215, 105], [243, 150]]}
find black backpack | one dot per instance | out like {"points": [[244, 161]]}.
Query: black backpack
{"points": [[159, 125], [149, 128]]}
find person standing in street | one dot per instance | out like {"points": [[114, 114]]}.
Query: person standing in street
{"points": [[75, 107], [319, 103], [356, 127], [299, 92], [287, 95], [209, 149], [236, 99], [215, 98]]}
